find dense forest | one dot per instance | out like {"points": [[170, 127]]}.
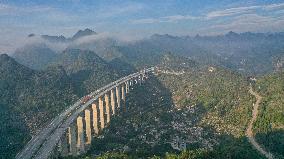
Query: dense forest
{"points": [[31, 98], [270, 123], [212, 104], [198, 97]]}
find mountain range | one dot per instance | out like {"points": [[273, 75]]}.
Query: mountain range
{"points": [[31, 98], [77, 35], [247, 53], [209, 106]]}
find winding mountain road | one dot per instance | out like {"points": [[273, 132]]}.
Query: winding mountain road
{"points": [[249, 132]]}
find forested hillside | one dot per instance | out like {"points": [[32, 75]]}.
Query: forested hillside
{"points": [[269, 127], [201, 91], [30, 99], [152, 79], [247, 53], [35, 56], [86, 69], [207, 108], [226, 102]]}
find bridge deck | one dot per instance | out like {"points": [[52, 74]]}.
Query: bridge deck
{"points": [[42, 145]]}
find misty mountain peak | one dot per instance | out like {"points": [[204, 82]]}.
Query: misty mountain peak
{"points": [[8, 65], [4, 57], [197, 36], [159, 36], [31, 35], [59, 38], [82, 33], [232, 34]]}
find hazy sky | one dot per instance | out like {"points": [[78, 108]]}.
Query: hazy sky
{"points": [[136, 18]]}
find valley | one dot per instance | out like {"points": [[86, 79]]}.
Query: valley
{"points": [[197, 104], [141, 79], [249, 132]]}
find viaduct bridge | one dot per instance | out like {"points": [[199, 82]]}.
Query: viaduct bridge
{"points": [[72, 131]]}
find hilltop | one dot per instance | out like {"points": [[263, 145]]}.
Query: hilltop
{"points": [[35, 56], [199, 97], [86, 69], [247, 53], [31, 98], [208, 109]]}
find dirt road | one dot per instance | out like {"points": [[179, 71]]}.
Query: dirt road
{"points": [[249, 132]]}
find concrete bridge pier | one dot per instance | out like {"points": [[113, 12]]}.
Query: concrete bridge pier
{"points": [[140, 79], [107, 108], [130, 83], [112, 101], [73, 130], [95, 119], [147, 75], [80, 136], [72, 139], [101, 107], [117, 90], [88, 127], [126, 88], [123, 97], [143, 77]]}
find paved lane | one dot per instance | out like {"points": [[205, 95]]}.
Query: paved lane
{"points": [[41, 145]]}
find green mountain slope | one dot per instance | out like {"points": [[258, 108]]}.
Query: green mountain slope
{"points": [[207, 108], [224, 94], [86, 69], [35, 56], [227, 107], [106, 48], [269, 126], [29, 99]]}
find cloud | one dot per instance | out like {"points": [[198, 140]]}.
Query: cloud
{"points": [[36, 15], [6, 9], [36, 40], [116, 10], [145, 21], [230, 12], [244, 10], [176, 18], [274, 6], [251, 22], [258, 18], [42, 19], [118, 37], [165, 19], [11, 44], [236, 11]]}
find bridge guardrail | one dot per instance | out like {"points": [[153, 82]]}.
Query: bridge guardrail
{"points": [[37, 141]]}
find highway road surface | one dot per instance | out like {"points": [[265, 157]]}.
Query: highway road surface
{"points": [[42, 145]]}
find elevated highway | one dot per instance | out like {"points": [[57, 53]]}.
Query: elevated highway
{"points": [[60, 130]]}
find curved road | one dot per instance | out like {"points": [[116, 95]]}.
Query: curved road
{"points": [[249, 132], [42, 145]]}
